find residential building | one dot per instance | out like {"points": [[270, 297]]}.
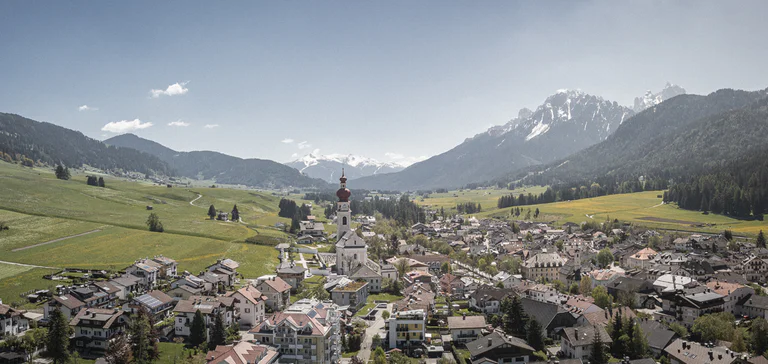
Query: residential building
{"points": [[242, 352], [732, 293], [156, 303], [209, 306], [543, 266], [146, 271], [305, 333], [551, 316], [277, 291], [12, 321], [755, 306], [291, 273], [365, 273], [126, 285], [500, 348], [354, 295], [310, 227], [755, 269], [576, 342], [487, 299], [452, 285], [465, 328], [94, 329], [251, 304], [68, 304], [657, 335], [688, 352], [388, 271], [686, 308], [641, 259], [407, 329], [226, 268], [168, 267]]}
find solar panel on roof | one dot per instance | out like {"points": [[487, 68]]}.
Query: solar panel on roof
{"points": [[312, 313], [149, 301]]}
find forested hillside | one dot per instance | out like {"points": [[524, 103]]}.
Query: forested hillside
{"points": [[52, 144]]}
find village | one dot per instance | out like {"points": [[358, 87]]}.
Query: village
{"points": [[454, 290]]}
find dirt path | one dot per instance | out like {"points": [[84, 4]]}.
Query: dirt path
{"points": [[26, 265], [55, 240], [196, 198]]}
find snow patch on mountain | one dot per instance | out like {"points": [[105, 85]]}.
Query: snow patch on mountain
{"points": [[652, 99]]}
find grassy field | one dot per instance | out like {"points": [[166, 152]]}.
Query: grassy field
{"points": [[642, 208], [486, 198], [12, 288], [46, 217]]}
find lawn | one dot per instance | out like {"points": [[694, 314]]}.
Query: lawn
{"points": [[486, 198], [10, 270], [14, 288], [40, 209], [170, 353], [384, 297], [642, 208]]}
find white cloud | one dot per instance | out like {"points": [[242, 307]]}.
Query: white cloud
{"points": [[395, 156], [178, 123], [211, 126], [304, 145], [124, 126], [87, 108], [294, 155], [287, 141], [172, 90], [403, 160]]}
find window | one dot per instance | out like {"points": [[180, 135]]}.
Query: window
{"points": [[344, 220], [247, 310]]}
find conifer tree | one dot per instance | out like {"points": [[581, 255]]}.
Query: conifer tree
{"points": [[598, 355], [535, 338], [760, 242], [143, 337], [197, 333], [57, 342], [218, 334], [235, 214], [212, 212]]}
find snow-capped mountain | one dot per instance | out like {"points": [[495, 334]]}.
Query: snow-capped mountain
{"points": [[652, 99], [328, 167], [564, 123]]}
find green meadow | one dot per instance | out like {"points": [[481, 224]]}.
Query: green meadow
{"points": [[68, 224], [642, 208]]}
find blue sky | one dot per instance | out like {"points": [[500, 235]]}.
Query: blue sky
{"points": [[395, 80]]}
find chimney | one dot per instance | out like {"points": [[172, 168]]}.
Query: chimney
{"points": [[490, 342], [576, 333]]}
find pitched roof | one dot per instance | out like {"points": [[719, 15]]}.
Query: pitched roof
{"points": [[250, 293], [603, 317], [69, 301], [105, 317], [277, 284], [365, 272], [466, 322], [658, 335], [487, 343], [154, 299], [689, 352], [241, 353], [584, 335]]}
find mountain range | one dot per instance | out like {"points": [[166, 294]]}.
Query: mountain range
{"points": [[53, 144], [328, 167], [220, 167], [684, 135]]}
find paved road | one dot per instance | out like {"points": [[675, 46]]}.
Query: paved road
{"points": [[27, 265], [56, 240], [375, 327], [304, 264], [196, 198]]}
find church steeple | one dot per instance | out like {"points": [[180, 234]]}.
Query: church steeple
{"points": [[343, 212]]}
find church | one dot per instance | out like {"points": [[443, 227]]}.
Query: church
{"points": [[351, 250]]}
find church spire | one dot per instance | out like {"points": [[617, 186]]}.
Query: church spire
{"points": [[343, 193]]}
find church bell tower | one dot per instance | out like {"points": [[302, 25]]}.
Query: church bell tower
{"points": [[343, 212]]}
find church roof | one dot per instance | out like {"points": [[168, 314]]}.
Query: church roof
{"points": [[350, 240]]}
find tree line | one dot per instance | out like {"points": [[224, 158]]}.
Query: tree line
{"points": [[402, 210], [468, 208], [738, 189]]}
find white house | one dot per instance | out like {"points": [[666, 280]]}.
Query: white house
{"points": [[576, 342], [251, 304]]}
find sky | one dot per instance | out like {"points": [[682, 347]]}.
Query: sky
{"points": [[392, 80]]}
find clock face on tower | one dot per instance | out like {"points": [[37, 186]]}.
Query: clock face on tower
{"points": [[343, 206]]}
